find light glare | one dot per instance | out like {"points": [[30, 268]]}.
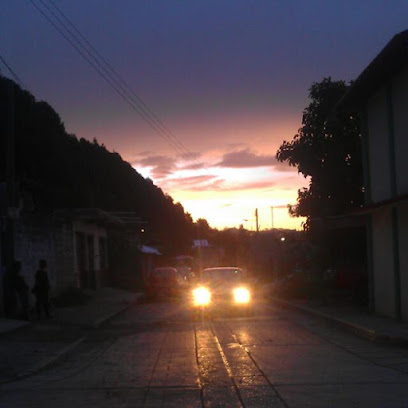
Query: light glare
{"points": [[202, 296], [242, 295]]}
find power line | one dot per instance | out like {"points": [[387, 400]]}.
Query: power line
{"points": [[120, 78], [106, 72], [102, 72], [15, 76]]}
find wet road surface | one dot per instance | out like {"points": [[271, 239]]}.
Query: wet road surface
{"points": [[155, 355]]}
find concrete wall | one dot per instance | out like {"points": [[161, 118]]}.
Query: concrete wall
{"points": [[383, 263], [1, 272], [400, 108], [64, 255], [387, 123], [403, 257], [95, 233], [378, 147], [380, 139], [34, 241], [54, 240]]}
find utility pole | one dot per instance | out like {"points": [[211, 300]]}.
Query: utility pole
{"points": [[256, 219], [10, 179], [272, 219], [7, 230]]}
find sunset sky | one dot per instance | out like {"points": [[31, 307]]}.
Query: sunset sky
{"points": [[228, 78]]}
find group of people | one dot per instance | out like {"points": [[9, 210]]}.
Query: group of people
{"points": [[16, 292]]}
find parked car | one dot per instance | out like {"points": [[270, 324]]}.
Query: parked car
{"points": [[222, 289], [163, 282]]}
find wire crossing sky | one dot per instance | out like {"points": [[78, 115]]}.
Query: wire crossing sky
{"points": [[217, 85], [105, 70], [13, 74]]}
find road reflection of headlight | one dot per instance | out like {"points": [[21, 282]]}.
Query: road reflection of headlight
{"points": [[202, 296], [242, 295]]}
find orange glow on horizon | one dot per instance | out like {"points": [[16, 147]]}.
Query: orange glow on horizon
{"points": [[226, 195], [220, 214]]}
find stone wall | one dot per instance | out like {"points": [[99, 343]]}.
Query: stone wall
{"points": [[64, 254], [34, 241]]}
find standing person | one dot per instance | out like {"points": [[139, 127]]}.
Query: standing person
{"points": [[41, 289], [21, 288]]}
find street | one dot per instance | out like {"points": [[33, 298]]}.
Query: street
{"points": [[155, 355]]}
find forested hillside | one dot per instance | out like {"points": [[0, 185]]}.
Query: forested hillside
{"points": [[62, 171]]}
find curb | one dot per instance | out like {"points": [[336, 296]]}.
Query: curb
{"points": [[10, 325], [51, 360], [45, 363], [58, 355], [98, 322], [361, 331]]}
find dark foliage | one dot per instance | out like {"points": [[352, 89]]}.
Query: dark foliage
{"points": [[327, 149], [61, 171]]}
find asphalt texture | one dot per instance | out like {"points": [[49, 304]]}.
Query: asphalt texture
{"points": [[153, 354]]}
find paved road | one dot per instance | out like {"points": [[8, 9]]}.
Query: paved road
{"points": [[153, 355]]}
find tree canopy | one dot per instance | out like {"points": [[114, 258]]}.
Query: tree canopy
{"points": [[61, 171], [327, 150]]}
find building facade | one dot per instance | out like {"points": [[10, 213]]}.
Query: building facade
{"points": [[380, 93], [73, 242]]}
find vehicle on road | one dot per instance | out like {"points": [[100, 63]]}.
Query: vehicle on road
{"points": [[164, 281], [222, 290]]}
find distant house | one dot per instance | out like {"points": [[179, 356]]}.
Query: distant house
{"points": [[81, 250], [200, 243], [380, 93], [74, 243], [205, 254]]}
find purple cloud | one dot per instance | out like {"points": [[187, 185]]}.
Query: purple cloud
{"points": [[236, 146], [162, 166], [194, 166], [190, 156], [246, 158]]}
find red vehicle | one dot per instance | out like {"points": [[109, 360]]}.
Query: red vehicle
{"points": [[163, 281]]}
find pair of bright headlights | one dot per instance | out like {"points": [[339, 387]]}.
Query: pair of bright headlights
{"points": [[202, 296]]}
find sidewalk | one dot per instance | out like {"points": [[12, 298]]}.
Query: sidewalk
{"points": [[354, 319], [106, 303], [28, 347]]}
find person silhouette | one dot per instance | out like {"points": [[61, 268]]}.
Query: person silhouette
{"points": [[41, 290]]}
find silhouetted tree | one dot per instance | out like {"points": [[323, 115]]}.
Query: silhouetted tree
{"points": [[202, 229], [61, 171], [327, 149]]}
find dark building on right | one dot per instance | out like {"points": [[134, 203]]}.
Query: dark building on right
{"points": [[380, 94]]}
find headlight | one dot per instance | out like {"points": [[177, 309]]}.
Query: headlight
{"points": [[242, 295], [202, 296]]}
